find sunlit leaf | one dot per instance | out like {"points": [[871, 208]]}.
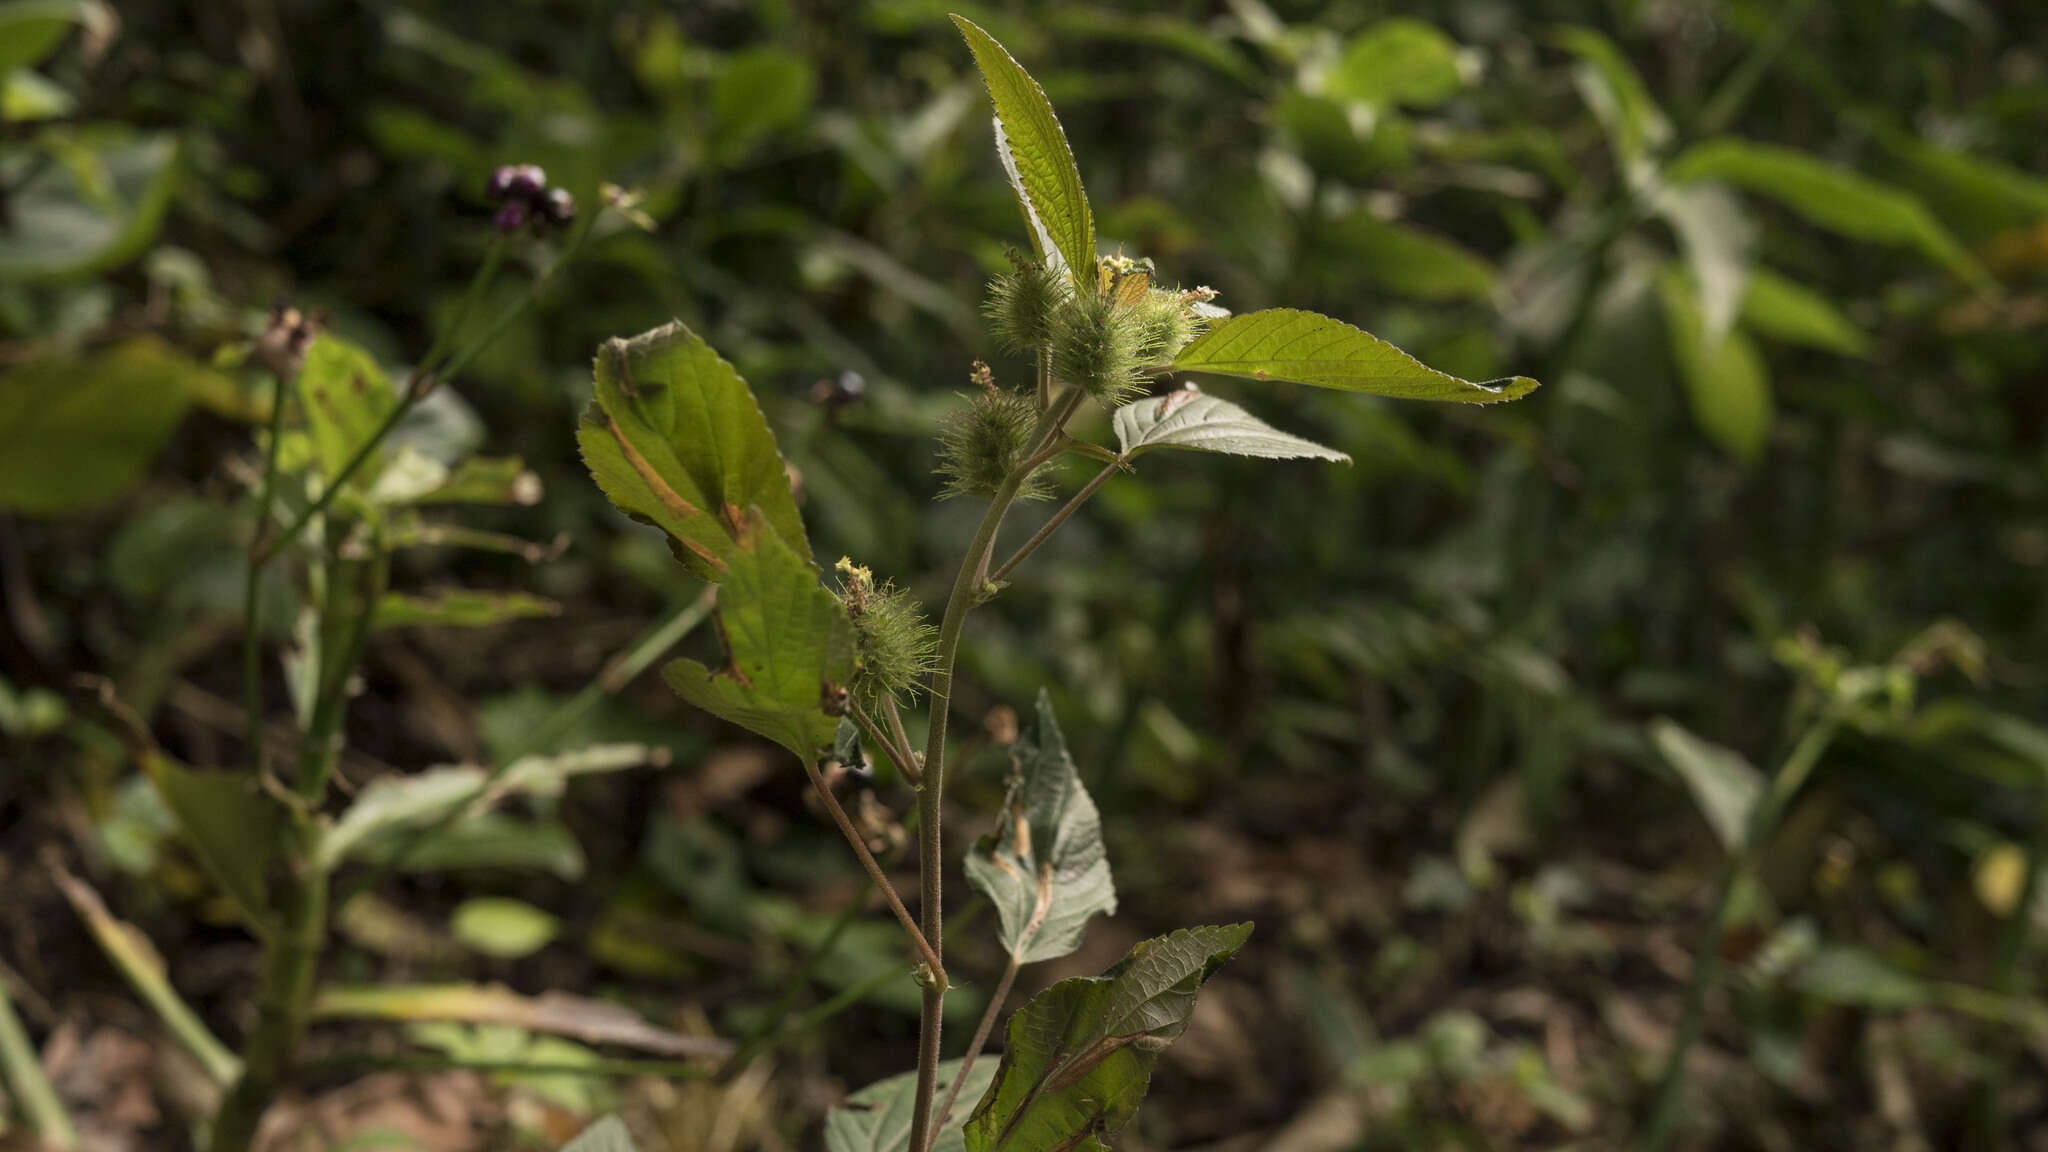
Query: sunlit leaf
{"points": [[1829, 196], [1722, 781], [1042, 165], [1398, 61], [346, 397], [1288, 344], [507, 929], [79, 432], [1787, 311], [1044, 868], [1716, 236], [788, 647], [607, 1135], [1196, 420], [461, 608], [1727, 385], [675, 438], [1078, 1057], [32, 29], [877, 1118]]}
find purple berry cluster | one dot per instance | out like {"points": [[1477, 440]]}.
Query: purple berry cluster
{"points": [[522, 193]]}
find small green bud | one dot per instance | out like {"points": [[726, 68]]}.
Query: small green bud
{"points": [[979, 447], [1022, 303], [893, 645]]}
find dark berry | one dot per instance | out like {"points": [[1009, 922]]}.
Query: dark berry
{"points": [[557, 206], [510, 217]]}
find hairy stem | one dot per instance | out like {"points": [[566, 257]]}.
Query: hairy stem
{"points": [[898, 751], [967, 587], [1763, 819], [982, 1030]]}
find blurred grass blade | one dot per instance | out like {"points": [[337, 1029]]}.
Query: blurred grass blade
{"points": [[555, 1013]]}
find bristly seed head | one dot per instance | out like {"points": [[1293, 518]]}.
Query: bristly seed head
{"points": [[893, 645], [1023, 302], [980, 446]]}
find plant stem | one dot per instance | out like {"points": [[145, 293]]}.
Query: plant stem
{"points": [[967, 586], [1058, 518], [974, 1047], [755, 1042], [1763, 819], [894, 716], [252, 586], [898, 750], [875, 873], [24, 1076]]}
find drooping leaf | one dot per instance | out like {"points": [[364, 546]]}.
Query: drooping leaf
{"points": [[32, 29], [461, 608], [1978, 196], [1041, 165], [1289, 344], [1716, 236], [1408, 260], [1397, 61], [789, 646], [607, 1135], [1196, 420], [94, 208], [556, 1013], [79, 432], [877, 1118], [347, 397], [1078, 1057], [1615, 92], [1785, 310], [1726, 383], [391, 805], [1722, 781], [1044, 868], [231, 827], [675, 438], [1829, 196], [507, 929]]}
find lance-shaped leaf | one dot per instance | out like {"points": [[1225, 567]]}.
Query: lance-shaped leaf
{"points": [[231, 827], [1036, 155], [461, 608], [789, 648], [1193, 419], [1079, 1055], [1044, 868], [1289, 344], [877, 1118], [675, 438]]}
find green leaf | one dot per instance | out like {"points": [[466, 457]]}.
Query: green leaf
{"points": [[1193, 419], [1079, 1055], [31, 29], [1616, 93], [413, 477], [1044, 869], [607, 1135], [1722, 781], [26, 96], [788, 646], [1408, 260], [1716, 237], [1398, 61], [1829, 196], [461, 608], [1861, 979], [1726, 384], [75, 433], [675, 438], [1289, 344], [877, 1118], [760, 92], [507, 929], [391, 805], [1787, 311], [1035, 153], [489, 841], [347, 397], [94, 209], [231, 827]]}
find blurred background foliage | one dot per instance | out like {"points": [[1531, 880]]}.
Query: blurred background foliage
{"points": [[1452, 724]]}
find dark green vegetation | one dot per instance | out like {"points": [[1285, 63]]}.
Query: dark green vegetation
{"points": [[1738, 621]]}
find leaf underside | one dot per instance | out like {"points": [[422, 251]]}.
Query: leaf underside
{"points": [[877, 1118], [1204, 423], [1289, 344]]}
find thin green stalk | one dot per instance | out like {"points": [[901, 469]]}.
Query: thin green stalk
{"points": [[967, 588], [974, 1047], [757, 1040], [252, 586], [1058, 518], [610, 681], [485, 273], [1763, 820], [899, 751], [25, 1078]]}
